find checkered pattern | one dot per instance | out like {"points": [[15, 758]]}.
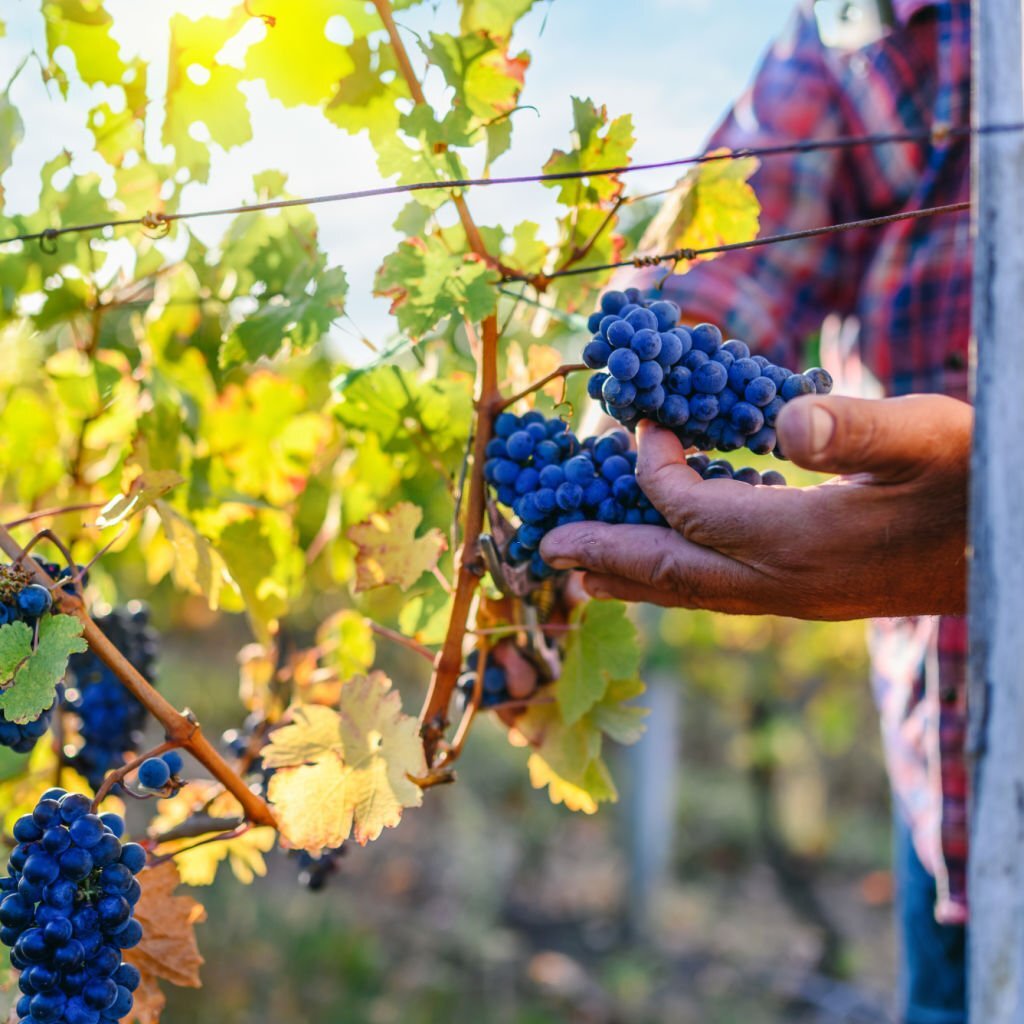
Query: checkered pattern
{"points": [[908, 285]]}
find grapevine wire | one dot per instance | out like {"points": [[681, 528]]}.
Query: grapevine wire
{"points": [[160, 223], [677, 255]]}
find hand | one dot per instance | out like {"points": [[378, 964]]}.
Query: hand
{"points": [[886, 537]]}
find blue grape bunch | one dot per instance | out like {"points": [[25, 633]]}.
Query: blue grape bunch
{"points": [[110, 719], [67, 912], [541, 471], [713, 393]]}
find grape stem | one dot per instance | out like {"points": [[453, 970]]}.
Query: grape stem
{"points": [[181, 729], [196, 826], [111, 779], [233, 833], [399, 638], [563, 371], [47, 513]]}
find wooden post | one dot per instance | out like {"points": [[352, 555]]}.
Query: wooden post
{"points": [[996, 881]]}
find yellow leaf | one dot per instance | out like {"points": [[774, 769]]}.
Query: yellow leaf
{"points": [[345, 772], [390, 551], [299, 28], [713, 205], [197, 566], [198, 866], [168, 949]]}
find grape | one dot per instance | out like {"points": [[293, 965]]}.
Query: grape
{"points": [[154, 773], [68, 947], [646, 344], [653, 362], [110, 719], [596, 354], [35, 600], [760, 391], [648, 376], [623, 364], [612, 301]]}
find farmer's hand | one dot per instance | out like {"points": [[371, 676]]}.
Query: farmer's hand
{"points": [[885, 537]]}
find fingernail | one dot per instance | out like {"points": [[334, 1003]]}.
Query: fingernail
{"points": [[823, 426]]}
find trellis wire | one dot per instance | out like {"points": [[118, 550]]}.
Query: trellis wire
{"points": [[161, 222], [676, 255]]}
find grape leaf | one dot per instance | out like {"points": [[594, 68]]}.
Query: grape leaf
{"points": [[198, 866], [487, 81], [603, 647], [202, 91], [12, 129], [84, 27], [364, 100], [598, 143], [714, 204], [168, 950], [197, 567], [493, 17], [295, 58], [143, 491], [346, 640], [345, 772], [29, 678], [426, 283], [390, 551], [569, 759]]}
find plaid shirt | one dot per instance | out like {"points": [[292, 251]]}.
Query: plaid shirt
{"points": [[908, 285]]}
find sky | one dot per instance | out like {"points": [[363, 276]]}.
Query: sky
{"points": [[676, 65]]}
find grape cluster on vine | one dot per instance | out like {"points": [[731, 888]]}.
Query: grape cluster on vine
{"points": [[714, 394], [110, 719], [68, 912]]}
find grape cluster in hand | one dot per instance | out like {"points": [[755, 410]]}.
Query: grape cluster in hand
{"points": [[712, 394], [111, 720], [540, 470], [67, 912]]}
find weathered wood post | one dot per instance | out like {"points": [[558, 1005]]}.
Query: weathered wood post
{"points": [[996, 882]]}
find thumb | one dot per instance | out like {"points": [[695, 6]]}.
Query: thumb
{"points": [[888, 437]]}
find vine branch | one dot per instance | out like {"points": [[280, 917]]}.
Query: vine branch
{"points": [[181, 729]]}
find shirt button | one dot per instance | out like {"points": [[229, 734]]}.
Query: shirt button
{"points": [[955, 361], [948, 695]]}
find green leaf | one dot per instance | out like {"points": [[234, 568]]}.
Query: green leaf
{"points": [[12, 129], [597, 143], [713, 205], [347, 642], [30, 677], [364, 99], [84, 27], [493, 17], [202, 91], [249, 553], [487, 81], [603, 647], [301, 318], [427, 283], [295, 59]]}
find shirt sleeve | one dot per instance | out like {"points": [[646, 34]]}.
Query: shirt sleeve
{"points": [[773, 297]]}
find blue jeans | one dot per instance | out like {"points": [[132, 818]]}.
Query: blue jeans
{"points": [[933, 975]]}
